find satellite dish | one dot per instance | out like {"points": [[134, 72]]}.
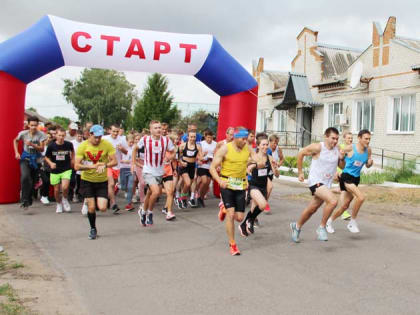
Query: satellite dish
{"points": [[356, 74]]}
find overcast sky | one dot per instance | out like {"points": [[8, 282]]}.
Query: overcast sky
{"points": [[246, 29]]}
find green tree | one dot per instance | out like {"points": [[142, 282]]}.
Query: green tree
{"points": [[155, 104], [32, 109], [101, 96], [201, 118], [62, 121]]}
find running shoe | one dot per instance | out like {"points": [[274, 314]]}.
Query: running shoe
{"points": [[250, 226], [59, 208], [45, 200], [66, 205], [93, 233], [25, 205], [142, 215], [346, 215], [115, 208], [184, 203], [201, 202], [141, 208], [84, 209], [75, 199], [257, 223], [134, 200], [222, 212], [242, 229], [177, 202], [165, 210], [129, 207], [322, 233], [170, 216], [234, 251], [353, 227], [267, 209], [149, 219], [193, 203], [329, 226], [295, 232]]}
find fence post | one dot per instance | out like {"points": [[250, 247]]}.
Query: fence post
{"points": [[382, 166], [403, 161]]}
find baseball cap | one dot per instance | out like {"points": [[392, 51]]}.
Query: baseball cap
{"points": [[73, 126], [97, 130]]}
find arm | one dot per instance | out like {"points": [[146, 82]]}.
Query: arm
{"points": [[200, 156], [38, 147], [133, 158], [254, 156], [310, 150], [217, 162], [50, 163], [369, 161], [180, 152], [274, 167], [112, 160], [281, 158], [15, 147]]}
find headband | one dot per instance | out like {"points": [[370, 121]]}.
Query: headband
{"points": [[243, 133]]}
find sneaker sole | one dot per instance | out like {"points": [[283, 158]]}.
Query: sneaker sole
{"points": [[241, 232], [291, 228]]}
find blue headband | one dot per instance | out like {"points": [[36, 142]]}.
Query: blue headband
{"points": [[243, 133]]}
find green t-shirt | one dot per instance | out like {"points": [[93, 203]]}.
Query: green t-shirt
{"points": [[91, 154]]}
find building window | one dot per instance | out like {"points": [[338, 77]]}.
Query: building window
{"points": [[403, 113], [366, 115], [263, 121], [281, 120], [334, 109]]}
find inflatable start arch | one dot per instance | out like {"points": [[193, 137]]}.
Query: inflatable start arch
{"points": [[54, 42]]}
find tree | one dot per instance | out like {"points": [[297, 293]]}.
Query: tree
{"points": [[155, 104], [62, 121], [101, 96], [201, 118], [32, 109]]}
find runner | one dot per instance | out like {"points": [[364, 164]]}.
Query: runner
{"points": [[137, 163], [233, 158], [277, 154], [60, 158], [77, 196], [169, 167], [92, 158], [126, 175], [258, 184], [33, 145], [357, 155], [113, 173], [208, 146], [44, 172], [155, 147], [325, 157], [71, 134], [189, 154]]}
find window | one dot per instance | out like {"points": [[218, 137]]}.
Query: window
{"points": [[263, 120], [281, 120], [403, 113], [334, 109], [366, 115]]}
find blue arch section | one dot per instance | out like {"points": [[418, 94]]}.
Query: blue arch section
{"points": [[223, 74], [26, 61]]}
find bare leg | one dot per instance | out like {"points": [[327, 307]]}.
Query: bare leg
{"points": [[345, 200]]}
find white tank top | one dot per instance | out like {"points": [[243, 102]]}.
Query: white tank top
{"points": [[324, 167]]}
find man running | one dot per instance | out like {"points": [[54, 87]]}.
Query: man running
{"points": [[155, 147], [325, 156], [33, 146], [208, 146], [357, 155], [233, 159], [60, 158], [277, 154], [113, 173], [93, 157]]}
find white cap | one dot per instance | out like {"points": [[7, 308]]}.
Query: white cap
{"points": [[73, 126]]}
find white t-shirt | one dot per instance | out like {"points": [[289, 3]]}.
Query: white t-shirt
{"points": [[208, 153], [115, 142], [127, 157], [154, 153]]}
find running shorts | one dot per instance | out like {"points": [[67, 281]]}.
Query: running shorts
{"points": [[189, 169], [233, 199], [113, 173], [167, 178], [203, 172], [263, 190], [349, 179], [149, 179], [93, 190], [313, 188], [55, 179]]}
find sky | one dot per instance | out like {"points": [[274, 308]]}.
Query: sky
{"points": [[246, 29]]}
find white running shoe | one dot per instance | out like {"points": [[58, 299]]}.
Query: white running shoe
{"points": [[329, 226], [45, 200], [59, 208], [84, 209], [66, 205], [353, 227]]}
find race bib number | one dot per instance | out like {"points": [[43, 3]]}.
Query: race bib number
{"points": [[262, 172], [235, 183], [60, 157], [190, 153], [357, 163]]}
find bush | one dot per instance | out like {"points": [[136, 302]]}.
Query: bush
{"points": [[406, 176]]}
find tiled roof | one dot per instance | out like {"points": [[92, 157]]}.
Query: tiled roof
{"points": [[413, 44], [278, 77]]}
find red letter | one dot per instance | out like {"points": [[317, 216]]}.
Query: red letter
{"points": [[135, 43], [110, 43], [188, 48], [75, 43], [161, 50]]}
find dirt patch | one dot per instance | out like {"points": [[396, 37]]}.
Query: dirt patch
{"points": [[396, 207], [39, 287]]}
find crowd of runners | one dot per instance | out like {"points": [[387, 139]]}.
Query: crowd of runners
{"points": [[90, 166]]}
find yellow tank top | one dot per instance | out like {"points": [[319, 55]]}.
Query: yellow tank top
{"points": [[235, 163]]}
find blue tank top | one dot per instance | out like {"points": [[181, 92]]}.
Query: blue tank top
{"points": [[355, 163]]}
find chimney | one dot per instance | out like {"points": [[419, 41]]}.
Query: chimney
{"points": [[390, 29], [256, 70]]}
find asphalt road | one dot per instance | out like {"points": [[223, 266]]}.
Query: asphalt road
{"points": [[184, 267]]}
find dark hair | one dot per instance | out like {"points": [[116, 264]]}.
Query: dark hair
{"points": [[79, 132], [362, 132], [208, 132], [262, 136], [32, 118], [330, 130], [60, 129], [251, 132]]}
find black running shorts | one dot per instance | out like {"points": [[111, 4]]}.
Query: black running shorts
{"points": [[189, 169], [203, 172], [167, 178], [313, 188], [93, 190], [263, 190], [349, 179], [233, 199]]}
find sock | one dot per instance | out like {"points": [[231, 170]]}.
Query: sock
{"points": [[149, 212], [192, 195], [143, 212], [248, 216], [255, 213], [92, 219], [177, 194]]}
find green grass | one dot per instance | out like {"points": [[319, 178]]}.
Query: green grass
{"points": [[12, 306], [406, 176], [17, 265]]}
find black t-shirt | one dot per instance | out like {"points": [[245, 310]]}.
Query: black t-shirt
{"points": [[60, 155]]}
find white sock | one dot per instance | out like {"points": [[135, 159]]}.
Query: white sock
{"points": [[192, 195], [149, 211], [177, 194]]}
